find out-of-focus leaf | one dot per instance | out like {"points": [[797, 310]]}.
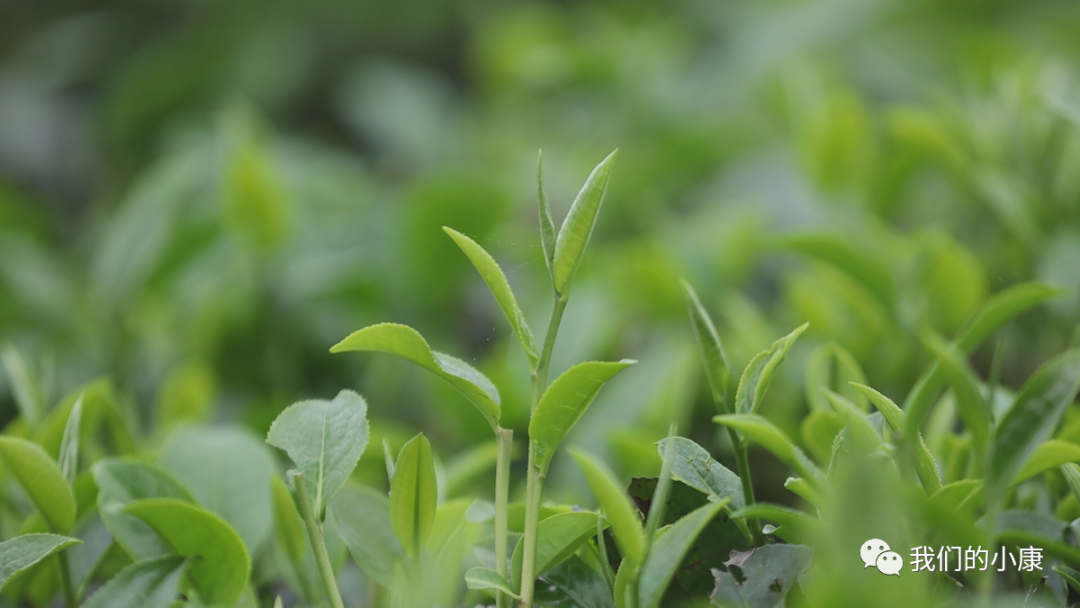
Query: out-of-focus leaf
{"points": [[407, 343], [925, 465], [558, 537], [668, 551], [228, 471], [973, 408], [488, 580], [254, 201], [767, 574], [220, 568], [413, 495], [759, 372], [1038, 408], [563, 403], [697, 469], [866, 268], [573, 584], [764, 433], [186, 395], [361, 517], [41, 480], [69, 444], [712, 349], [84, 560], [802, 488], [547, 225], [578, 225], [1072, 477], [467, 466], [122, 481], [151, 583], [952, 495], [25, 387], [24, 551], [287, 523], [833, 367], [325, 439], [819, 430], [794, 525], [861, 432], [1047, 455], [496, 281], [616, 505]]}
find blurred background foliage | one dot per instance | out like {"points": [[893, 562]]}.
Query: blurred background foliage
{"points": [[197, 199]]}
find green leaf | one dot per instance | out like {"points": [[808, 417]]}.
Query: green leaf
{"points": [[819, 429], [1047, 455], [220, 568], [563, 403], [228, 470], [695, 467], [122, 481], [150, 583], [969, 400], [496, 281], [578, 225], [862, 433], [668, 551], [759, 372], [407, 343], [624, 583], [925, 465], [325, 439], [869, 271], [413, 495], [800, 487], [768, 574], [712, 349], [616, 505], [1039, 406], [795, 525], [474, 462], [24, 551], [951, 496], [1072, 477], [547, 225], [833, 367], [25, 387], [69, 444], [893, 415], [573, 584], [762, 432], [1072, 577], [361, 517], [558, 537], [487, 579], [42, 481], [288, 526]]}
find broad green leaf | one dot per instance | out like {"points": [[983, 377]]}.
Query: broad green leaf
{"points": [[69, 444], [925, 465], [220, 568], [558, 537], [405, 342], [122, 481], [616, 505], [228, 470], [759, 372], [562, 405], [361, 517], [1047, 455], [1039, 406], [25, 387], [794, 525], [547, 225], [325, 439], [712, 349], [413, 495], [489, 580], [668, 551], [695, 467], [762, 432], [573, 584], [833, 367], [288, 526], [24, 551], [41, 480], [969, 399], [869, 271], [578, 225], [150, 583], [496, 281], [768, 574]]}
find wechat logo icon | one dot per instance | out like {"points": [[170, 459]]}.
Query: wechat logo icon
{"points": [[876, 553]]}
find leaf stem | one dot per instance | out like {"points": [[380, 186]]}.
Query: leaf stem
{"points": [[65, 581], [318, 543], [540, 378], [502, 491], [742, 461]]}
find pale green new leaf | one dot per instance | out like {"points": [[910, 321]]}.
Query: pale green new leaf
{"points": [[578, 225], [41, 480], [800, 487], [1072, 477], [69, 444], [969, 400], [759, 372], [862, 433], [695, 467], [668, 550], [764, 433], [488, 580], [407, 343], [150, 583], [1047, 455], [496, 281], [558, 537], [615, 503], [25, 387], [122, 481], [926, 466], [361, 517], [413, 495], [547, 225], [833, 367], [795, 526], [712, 349], [24, 551], [220, 568], [563, 403], [1039, 406], [325, 439], [868, 270]]}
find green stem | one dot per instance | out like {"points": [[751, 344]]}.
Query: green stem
{"points": [[65, 581], [540, 377], [742, 461], [318, 543], [502, 491]]}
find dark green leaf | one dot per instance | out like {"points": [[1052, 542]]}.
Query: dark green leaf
{"points": [[558, 537], [697, 469], [616, 505], [150, 583], [759, 372], [668, 551], [573, 584], [42, 481], [24, 551], [712, 349], [766, 575], [795, 525], [413, 495], [578, 225]]}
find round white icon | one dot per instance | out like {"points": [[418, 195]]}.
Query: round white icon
{"points": [[890, 562], [870, 551]]}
